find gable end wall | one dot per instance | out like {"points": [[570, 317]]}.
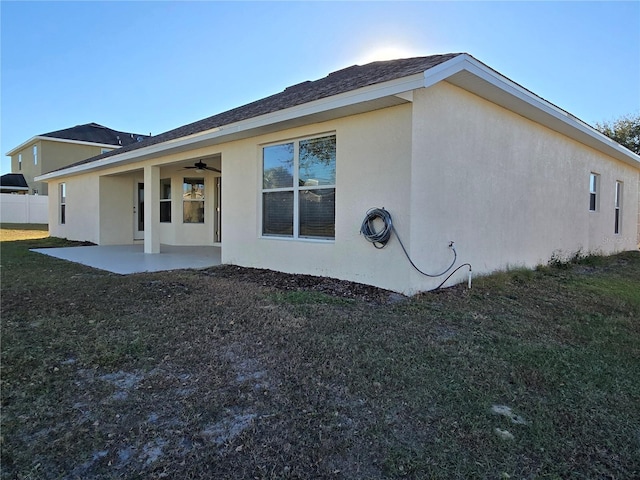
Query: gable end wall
{"points": [[508, 191]]}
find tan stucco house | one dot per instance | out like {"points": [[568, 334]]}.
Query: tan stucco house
{"points": [[450, 148], [51, 151]]}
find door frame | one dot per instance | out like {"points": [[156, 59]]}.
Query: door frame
{"points": [[138, 208], [217, 232]]}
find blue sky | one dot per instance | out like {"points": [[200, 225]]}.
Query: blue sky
{"points": [[147, 67]]}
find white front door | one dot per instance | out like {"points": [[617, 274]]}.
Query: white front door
{"points": [[138, 210]]}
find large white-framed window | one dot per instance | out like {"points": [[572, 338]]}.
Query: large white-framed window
{"points": [[193, 200], [35, 154], [165, 200], [19, 161], [617, 208], [62, 190], [299, 188], [594, 186]]}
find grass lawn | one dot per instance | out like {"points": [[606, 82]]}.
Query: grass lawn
{"points": [[196, 374]]}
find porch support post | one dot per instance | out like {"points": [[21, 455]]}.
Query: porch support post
{"points": [[151, 209]]}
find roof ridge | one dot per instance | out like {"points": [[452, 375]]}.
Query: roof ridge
{"points": [[345, 69]]}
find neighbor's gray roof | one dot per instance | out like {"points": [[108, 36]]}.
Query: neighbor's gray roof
{"points": [[341, 81], [13, 180], [95, 133]]}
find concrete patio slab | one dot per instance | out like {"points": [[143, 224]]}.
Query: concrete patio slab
{"points": [[126, 259]]}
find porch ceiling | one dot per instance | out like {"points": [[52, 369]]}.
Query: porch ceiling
{"points": [[181, 166]]}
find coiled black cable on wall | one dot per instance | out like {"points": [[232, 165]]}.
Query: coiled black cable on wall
{"points": [[380, 238]]}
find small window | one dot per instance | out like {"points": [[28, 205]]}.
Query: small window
{"points": [[617, 208], [35, 154], [193, 200], [165, 200], [594, 185], [63, 203], [19, 161]]}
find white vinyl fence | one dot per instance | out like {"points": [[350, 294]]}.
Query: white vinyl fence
{"points": [[24, 208]]}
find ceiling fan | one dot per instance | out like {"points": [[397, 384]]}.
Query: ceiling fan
{"points": [[200, 166]]}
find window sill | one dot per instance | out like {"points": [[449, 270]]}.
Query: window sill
{"points": [[300, 239]]}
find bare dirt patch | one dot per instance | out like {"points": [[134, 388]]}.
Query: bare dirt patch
{"points": [[308, 283]]}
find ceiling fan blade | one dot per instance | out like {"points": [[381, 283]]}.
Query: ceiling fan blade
{"points": [[200, 165]]}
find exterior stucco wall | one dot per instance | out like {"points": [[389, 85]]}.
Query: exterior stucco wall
{"points": [[52, 155], [56, 155], [449, 167], [373, 153], [638, 211], [116, 210], [110, 221], [29, 169], [55, 229], [508, 191], [179, 233], [82, 208]]}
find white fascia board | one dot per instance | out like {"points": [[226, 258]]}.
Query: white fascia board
{"points": [[473, 66], [23, 145], [216, 135], [577, 129], [81, 142], [446, 69], [38, 138]]}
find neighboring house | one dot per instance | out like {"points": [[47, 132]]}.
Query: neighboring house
{"points": [[13, 183], [54, 150], [451, 148]]}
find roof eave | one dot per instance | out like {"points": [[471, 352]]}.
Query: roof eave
{"points": [[23, 145], [370, 98], [463, 71], [81, 142], [38, 138]]}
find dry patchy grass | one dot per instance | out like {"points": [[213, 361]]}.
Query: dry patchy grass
{"points": [[240, 373], [10, 232]]}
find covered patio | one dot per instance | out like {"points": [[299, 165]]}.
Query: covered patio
{"points": [[127, 259]]}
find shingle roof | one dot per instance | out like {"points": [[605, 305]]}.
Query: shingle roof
{"points": [[13, 180], [95, 133], [341, 81]]}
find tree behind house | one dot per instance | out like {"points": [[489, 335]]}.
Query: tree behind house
{"points": [[624, 130]]}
